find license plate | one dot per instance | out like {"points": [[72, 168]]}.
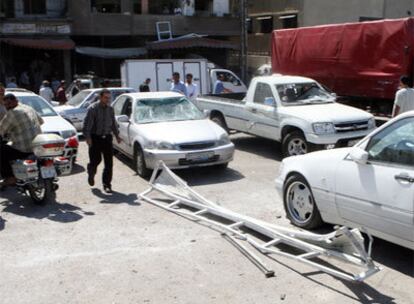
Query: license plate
{"points": [[201, 156], [48, 172], [353, 142]]}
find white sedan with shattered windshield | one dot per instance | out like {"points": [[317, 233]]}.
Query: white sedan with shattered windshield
{"points": [[370, 185], [167, 126]]}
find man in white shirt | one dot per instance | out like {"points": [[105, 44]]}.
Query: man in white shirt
{"points": [[404, 98], [46, 91], [192, 88]]}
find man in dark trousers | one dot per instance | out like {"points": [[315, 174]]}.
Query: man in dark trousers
{"points": [[98, 128]]}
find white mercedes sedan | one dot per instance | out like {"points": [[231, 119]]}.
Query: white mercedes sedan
{"points": [[370, 185], [167, 126]]}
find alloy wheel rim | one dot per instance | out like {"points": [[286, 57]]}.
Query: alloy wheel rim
{"points": [[297, 146], [300, 202]]}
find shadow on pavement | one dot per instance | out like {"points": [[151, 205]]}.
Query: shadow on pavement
{"points": [[2, 223], [76, 169], [116, 198], [208, 175], [23, 206], [198, 175], [260, 146]]}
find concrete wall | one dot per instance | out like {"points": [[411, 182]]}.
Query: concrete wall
{"points": [[317, 12], [97, 24]]}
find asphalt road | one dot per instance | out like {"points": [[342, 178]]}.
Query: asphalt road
{"points": [[89, 247]]}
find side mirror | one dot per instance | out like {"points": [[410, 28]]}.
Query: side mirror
{"points": [[359, 155], [270, 101], [123, 119]]}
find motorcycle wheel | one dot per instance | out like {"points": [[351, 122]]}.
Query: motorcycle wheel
{"points": [[43, 192]]}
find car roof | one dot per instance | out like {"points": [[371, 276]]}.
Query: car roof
{"points": [[154, 95], [21, 93], [283, 79], [110, 89]]}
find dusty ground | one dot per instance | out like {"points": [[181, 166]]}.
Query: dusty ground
{"points": [[90, 247]]}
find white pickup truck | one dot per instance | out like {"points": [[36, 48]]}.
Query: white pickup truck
{"points": [[296, 111]]}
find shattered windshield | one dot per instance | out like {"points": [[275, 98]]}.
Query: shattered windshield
{"points": [[166, 109], [303, 93]]}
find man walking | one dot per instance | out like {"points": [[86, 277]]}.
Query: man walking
{"points": [[61, 93], [98, 128], [144, 87], [404, 98], [177, 85], [46, 91], [21, 124], [192, 88]]}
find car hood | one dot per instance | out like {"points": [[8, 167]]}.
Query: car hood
{"points": [[177, 132], [330, 112], [329, 157], [64, 109], [53, 124]]}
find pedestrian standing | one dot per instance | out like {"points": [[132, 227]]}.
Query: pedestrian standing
{"points": [[46, 91], [404, 98], [177, 85], [192, 88], [61, 93], [144, 87], [99, 125]]}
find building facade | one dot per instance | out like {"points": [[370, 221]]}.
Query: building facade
{"points": [[61, 38], [265, 16]]}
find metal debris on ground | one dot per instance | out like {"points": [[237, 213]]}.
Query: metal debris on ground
{"points": [[342, 246]]}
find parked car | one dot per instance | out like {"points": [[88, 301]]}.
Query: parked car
{"points": [[90, 81], [370, 185], [295, 111], [53, 122], [75, 109], [167, 126]]}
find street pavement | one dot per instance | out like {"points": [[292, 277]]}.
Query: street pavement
{"points": [[90, 247]]}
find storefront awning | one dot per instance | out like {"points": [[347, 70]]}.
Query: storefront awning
{"points": [[191, 41], [41, 43], [122, 53]]}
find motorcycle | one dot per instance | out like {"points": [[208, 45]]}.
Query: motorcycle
{"points": [[37, 175]]}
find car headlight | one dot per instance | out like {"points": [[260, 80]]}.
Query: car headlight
{"points": [[223, 140], [371, 123], [323, 128], [68, 134], [160, 145]]}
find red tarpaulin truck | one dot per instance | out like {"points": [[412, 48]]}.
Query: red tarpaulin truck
{"points": [[363, 61]]}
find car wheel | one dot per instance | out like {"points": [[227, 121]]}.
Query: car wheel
{"points": [[139, 163], [218, 119], [299, 203], [295, 144]]}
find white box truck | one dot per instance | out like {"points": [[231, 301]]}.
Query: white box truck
{"points": [[134, 73]]}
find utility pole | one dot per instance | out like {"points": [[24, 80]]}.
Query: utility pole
{"points": [[243, 39]]}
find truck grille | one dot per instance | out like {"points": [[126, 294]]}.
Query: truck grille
{"points": [[351, 126], [197, 146]]}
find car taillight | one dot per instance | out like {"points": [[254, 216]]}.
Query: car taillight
{"points": [[29, 161], [73, 142]]}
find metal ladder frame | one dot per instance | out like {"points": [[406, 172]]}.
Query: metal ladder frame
{"points": [[314, 245]]}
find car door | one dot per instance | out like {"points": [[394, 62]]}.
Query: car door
{"points": [[264, 115], [118, 106], [126, 126], [380, 194]]}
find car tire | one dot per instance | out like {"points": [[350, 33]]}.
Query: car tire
{"points": [[139, 163], [219, 119], [295, 143], [299, 202]]}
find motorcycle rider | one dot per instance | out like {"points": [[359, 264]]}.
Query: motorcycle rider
{"points": [[21, 124]]}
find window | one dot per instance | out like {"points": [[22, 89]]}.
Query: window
{"points": [[127, 109], [262, 92], [303, 93], [289, 21], [394, 144], [119, 105], [137, 6], [265, 24], [34, 7], [106, 6]]}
